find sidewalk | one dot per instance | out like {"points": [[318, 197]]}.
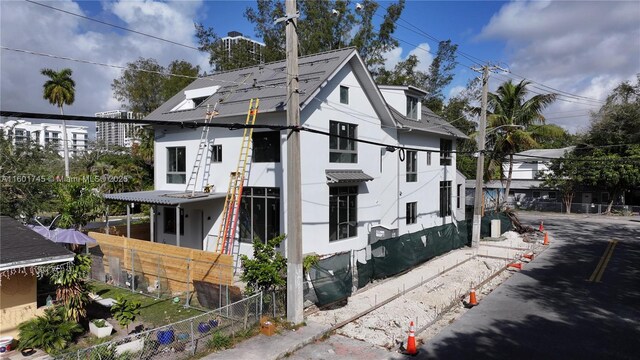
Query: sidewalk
{"points": [[278, 346]]}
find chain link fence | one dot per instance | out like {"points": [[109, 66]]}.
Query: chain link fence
{"points": [[183, 339], [578, 208]]}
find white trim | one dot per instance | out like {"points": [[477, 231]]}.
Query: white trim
{"points": [[25, 263]]}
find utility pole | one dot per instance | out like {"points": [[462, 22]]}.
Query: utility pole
{"points": [[294, 188], [477, 204]]}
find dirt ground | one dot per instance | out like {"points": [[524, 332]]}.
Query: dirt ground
{"points": [[433, 304]]}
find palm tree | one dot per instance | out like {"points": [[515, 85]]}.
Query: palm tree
{"points": [[60, 90], [520, 121]]}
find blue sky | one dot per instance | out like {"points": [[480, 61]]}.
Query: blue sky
{"points": [[583, 49]]}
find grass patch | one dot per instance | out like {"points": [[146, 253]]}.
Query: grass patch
{"points": [[153, 312]]}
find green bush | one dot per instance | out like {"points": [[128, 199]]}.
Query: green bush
{"points": [[125, 311], [51, 332], [219, 341], [267, 271], [100, 323]]}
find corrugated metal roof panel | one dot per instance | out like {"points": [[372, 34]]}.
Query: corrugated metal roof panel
{"points": [[346, 176], [163, 197]]}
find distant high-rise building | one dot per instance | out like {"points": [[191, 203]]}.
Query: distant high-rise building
{"points": [[255, 48], [22, 132], [117, 133]]}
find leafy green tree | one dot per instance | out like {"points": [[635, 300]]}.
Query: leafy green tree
{"points": [[145, 84], [618, 121], [319, 29], [440, 74], [513, 115], [174, 84], [125, 311], [144, 149], [613, 171], [50, 332], [566, 175], [77, 203], [60, 90], [139, 86], [27, 171], [267, 270], [72, 289]]}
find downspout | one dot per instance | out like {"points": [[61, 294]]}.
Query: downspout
{"points": [[178, 225]]}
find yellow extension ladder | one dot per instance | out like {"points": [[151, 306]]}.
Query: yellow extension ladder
{"points": [[231, 210]]}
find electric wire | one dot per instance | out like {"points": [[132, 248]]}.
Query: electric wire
{"points": [[112, 25]]}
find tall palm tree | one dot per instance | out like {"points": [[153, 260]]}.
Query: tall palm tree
{"points": [[518, 117], [60, 90]]}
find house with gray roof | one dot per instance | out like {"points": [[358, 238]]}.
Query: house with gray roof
{"points": [[353, 180], [22, 251]]}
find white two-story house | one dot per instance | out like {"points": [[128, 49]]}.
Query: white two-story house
{"points": [[349, 187]]}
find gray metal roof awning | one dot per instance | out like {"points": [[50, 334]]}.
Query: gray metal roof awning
{"points": [[346, 176], [163, 197]]}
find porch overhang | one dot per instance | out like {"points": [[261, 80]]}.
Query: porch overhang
{"points": [[163, 197], [346, 176]]}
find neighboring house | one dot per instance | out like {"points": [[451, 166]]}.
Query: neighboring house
{"points": [[22, 250], [22, 132], [527, 189], [117, 133], [348, 187]]}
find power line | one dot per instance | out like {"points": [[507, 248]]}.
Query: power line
{"points": [[478, 61], [209, 78], [112, 25]]}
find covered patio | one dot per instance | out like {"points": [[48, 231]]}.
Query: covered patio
{"points": [[177, 200]]}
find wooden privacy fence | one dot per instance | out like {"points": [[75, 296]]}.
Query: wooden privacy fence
{"points": [[158, 267]]}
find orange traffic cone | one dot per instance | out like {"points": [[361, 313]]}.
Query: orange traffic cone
{"points": [[541, 228], [514, 266], [546, 239], [411, 342], [472, 298], [528, 256]]}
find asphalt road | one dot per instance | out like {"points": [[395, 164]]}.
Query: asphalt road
{"points": [[579, 300]]}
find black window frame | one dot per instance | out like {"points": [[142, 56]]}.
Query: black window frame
{"points": [[428, 158], [348, 227], [341, 149], [446, 149], [250, 225], [216, 153], [411, 215], [458, 196], [180, 168], [411, 166], [445, 198], [344, 95], [267, 148], [536, 194]]}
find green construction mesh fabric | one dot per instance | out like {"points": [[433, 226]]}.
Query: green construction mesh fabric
{"points": [[333, 279], [333, 276]]}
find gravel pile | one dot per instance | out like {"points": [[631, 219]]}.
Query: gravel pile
{"points": [[431, 306]]}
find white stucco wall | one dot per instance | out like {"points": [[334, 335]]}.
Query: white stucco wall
{"points": [[397, 98], [380, 201]]}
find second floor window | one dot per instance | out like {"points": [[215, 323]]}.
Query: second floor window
{"points": [[412, 108], [344, 95], [176, 165], [412, 166], [216, 153], [342, 150], [266, 146], [446, 147]]}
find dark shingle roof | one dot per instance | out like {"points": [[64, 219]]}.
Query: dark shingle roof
{"points": [[430, 122], [21, 246], [267, 82], [346, 176]]}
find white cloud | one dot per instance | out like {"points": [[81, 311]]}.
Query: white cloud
{"points": [[455, 91], [422, 52], [584, 48], [32, 27]]}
